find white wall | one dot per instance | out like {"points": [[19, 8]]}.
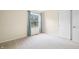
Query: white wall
{"points": [[64, 23], [57, 22], [51, 22], [13, 25]]}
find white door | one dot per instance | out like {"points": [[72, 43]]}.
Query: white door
{"points": [[64, 23], [75, 25]]}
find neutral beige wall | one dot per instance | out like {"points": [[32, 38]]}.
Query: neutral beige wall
{"points": [[51, 21], [13, 25]]}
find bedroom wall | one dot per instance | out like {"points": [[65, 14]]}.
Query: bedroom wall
{"points": [[57, 22], [51, 22], [13, 25]]}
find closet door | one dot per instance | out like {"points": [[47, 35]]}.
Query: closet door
{"points": [[75, 25], [64, 24]]}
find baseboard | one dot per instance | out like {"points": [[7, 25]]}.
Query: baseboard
{"points": [[13, 39]]}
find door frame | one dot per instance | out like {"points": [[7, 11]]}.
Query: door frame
{"points": [[71, 33]]}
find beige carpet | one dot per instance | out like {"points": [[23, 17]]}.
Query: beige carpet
{"points": [[41, 41]]}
